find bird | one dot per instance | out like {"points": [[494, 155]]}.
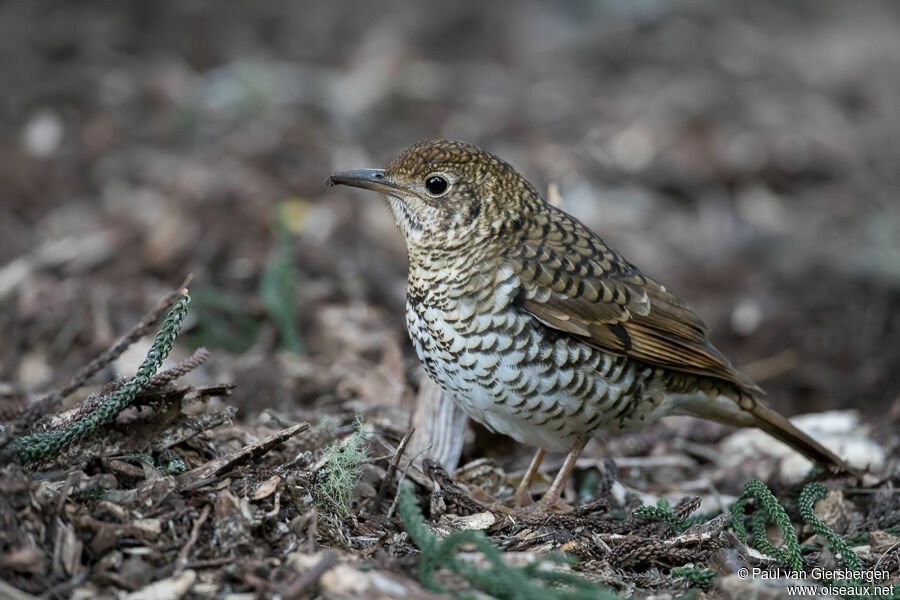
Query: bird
{"points": [[540, 330]]}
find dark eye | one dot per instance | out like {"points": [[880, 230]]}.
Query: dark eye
{"points": [[436, 185]]}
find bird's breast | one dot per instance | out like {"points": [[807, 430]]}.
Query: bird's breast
{"points": [[510, 372]]}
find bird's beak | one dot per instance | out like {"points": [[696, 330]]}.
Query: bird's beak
{"points": [[367, 179]]}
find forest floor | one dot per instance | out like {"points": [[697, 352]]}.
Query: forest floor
{"points": [[743, 154]]}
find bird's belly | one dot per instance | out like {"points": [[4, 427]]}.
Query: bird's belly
{"points": [[538, 389]]}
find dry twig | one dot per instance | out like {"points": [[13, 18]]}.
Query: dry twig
{"points": [[181, 563], [392, 469], [311, 577], [205, 474]]}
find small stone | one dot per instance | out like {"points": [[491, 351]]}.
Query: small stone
{"points": [[171, 588], [481, 520], [882, 541], [43, 134], [746, 317], [344, 579]]}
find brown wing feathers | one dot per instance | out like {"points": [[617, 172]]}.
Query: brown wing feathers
{"points": [[591, 292]]}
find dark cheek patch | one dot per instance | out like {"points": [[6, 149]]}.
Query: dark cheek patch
{"points": [[474, 210]]}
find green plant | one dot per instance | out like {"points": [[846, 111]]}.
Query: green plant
{"points": [[768, 508], [278, 287], [338, 478], [175, 466], [694, 574], [223, 321], [662, 512], [39, 445], [499, 579], [808, 497]]}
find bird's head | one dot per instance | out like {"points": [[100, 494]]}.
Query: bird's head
{"points": [[446, 193]]}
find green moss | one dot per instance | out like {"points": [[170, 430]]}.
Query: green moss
{"points": [[338, 478]]}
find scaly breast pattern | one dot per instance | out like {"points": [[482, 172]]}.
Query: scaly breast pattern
{"points": [[510, 372]]}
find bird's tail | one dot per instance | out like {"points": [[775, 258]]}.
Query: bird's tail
{"points": [[784, 431], [741, 408]]}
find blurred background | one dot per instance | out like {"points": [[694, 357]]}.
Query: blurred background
{"points": [[746, 154]]}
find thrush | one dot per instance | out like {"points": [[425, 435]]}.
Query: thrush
{"points": [[536, 327]]}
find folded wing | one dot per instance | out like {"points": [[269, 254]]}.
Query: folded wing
{"points": [[573, 282]]}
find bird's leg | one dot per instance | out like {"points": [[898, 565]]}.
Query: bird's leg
{"points": [[551, 497], [522, 495]]}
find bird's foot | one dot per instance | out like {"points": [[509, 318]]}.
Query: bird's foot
{"points": [[519, 507], [558, 507], [515, 505], [521, 499]]}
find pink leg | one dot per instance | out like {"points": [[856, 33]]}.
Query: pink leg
{"points": [[559, 483], [522, 496]]}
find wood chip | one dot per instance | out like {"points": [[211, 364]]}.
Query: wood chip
{"points": [[172, 588], [201, 476], [266, 488]]}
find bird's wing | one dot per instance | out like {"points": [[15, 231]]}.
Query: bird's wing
{"points": [[573, 282]]}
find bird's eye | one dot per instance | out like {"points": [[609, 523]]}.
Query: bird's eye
{"points": [[436, 185]]}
